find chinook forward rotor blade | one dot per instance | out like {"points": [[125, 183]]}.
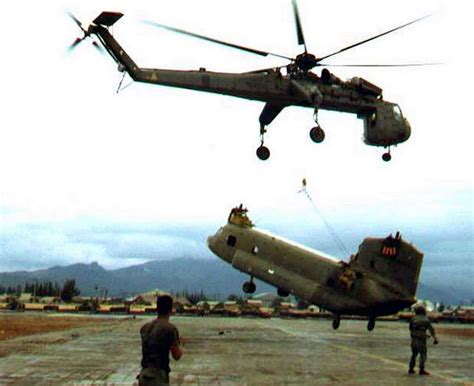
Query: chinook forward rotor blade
{"points": [[242, 48], [372, 38], [299, 28]]}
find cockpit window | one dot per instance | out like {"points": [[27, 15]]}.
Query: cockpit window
{"points": [[231, 240], [397, 113]]}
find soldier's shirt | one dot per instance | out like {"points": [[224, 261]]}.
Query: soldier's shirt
{"points": [[418, 327], [157, 338]]}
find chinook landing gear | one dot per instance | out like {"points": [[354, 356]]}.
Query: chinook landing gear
{"points": [[282, 293], [249, 287], [263, 152], [336, 322], [371, 324], [387, 156]]}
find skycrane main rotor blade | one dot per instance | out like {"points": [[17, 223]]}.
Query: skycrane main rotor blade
{"points": [[299, 28], [379, 65], [183, 32], [372, 38]]}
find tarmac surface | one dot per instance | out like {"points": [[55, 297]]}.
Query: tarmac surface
{"points": [[241, 351]]}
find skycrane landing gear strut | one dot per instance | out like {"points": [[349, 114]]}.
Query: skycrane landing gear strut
{"points": [[263, 152], [316, 133], [269, 113], [249, 287]]}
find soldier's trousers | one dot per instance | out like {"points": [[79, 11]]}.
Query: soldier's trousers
{"points": [[153, 377], [418, 346]]}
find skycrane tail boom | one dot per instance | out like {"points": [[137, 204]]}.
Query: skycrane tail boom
{"points": [[99, 28], [252, 86]]}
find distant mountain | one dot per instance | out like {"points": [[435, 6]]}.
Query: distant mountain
{"points": [[443, 293], [212, 276]]}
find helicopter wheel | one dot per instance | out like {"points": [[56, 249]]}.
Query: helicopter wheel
{"points": [[282, 293], [263, 153], [317, 134], [336, 322], [371, 324], [386, 157], [249, 287]]}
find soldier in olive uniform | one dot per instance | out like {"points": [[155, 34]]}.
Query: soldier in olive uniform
{"points": [[159, 338], [418, 326]]}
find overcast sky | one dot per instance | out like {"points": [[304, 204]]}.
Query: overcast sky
{"points": [[90, 175]]}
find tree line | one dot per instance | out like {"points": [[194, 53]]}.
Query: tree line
{"points": [[46, 288]]}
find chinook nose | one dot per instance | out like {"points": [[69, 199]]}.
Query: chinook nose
{"points": [[211, 242]]}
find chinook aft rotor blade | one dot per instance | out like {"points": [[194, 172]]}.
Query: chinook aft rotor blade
{"points": [[242, 48], [373, 38], [299, 28]]}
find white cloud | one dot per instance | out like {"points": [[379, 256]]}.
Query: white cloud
{"points": [[70, 148]]}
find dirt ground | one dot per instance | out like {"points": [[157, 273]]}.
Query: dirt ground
{"points": [[106, 350], [460, 332], [13, 326]]}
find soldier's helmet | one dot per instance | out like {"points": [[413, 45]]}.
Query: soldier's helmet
{"points": [[420, 310]]}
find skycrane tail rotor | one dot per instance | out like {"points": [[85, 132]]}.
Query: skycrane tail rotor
{"points": [[98, 47], [86, 33], [76, 20], [74, 44]]}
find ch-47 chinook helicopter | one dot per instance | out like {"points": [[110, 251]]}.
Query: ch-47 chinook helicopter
{"points": [[290, 85], [380, 279]]}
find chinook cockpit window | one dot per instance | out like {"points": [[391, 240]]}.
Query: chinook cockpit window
{"points": [[231, 240]]}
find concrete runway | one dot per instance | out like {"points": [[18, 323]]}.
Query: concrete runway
{"points": [[241, 351]]}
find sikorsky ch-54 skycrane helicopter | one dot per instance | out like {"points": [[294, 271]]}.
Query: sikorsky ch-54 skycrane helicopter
{"points": [[290, 85]]}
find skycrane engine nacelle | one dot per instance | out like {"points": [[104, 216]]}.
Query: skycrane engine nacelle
{"points": [[386, 126], [327, 77], [365, 87]]}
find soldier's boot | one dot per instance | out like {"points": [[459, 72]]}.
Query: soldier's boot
{"points": [[411, 370], [424, 372]]}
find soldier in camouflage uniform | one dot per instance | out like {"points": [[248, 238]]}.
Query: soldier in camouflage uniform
{"points": [[418, 326], [159, 338]]}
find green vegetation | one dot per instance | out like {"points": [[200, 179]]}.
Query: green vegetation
{"points": [[46, 288]]}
